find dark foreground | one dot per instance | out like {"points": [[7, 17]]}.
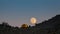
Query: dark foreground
{"points": [[51, 26]]}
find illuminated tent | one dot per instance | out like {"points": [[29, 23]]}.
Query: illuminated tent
{"points": [[24, 26]]}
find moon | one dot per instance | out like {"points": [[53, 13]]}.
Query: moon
{"points": [[33, 20]]}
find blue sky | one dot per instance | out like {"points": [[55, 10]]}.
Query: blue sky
{"points": [[18, 12]]}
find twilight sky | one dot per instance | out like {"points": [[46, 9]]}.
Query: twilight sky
{"points": [[18, 12]]}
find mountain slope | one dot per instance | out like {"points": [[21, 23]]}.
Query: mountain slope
{"points": [[51, 26]]}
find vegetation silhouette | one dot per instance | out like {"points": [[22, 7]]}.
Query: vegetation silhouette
{"points": [[51, 26]]}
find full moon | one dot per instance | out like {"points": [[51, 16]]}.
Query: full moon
{"points": [[33, 20]]}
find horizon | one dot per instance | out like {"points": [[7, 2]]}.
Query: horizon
{"points": [[18, 12]]}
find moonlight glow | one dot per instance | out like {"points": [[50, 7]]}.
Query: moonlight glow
{"points": [[33, 20]]}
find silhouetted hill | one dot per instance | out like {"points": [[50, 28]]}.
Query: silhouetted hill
{"points": [[50, 26], [51, 22]]}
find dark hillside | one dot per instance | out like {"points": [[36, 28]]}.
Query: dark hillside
{"points": [[51, 26]]}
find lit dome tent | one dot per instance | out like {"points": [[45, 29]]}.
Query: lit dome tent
{"points": [[24, 26]]}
